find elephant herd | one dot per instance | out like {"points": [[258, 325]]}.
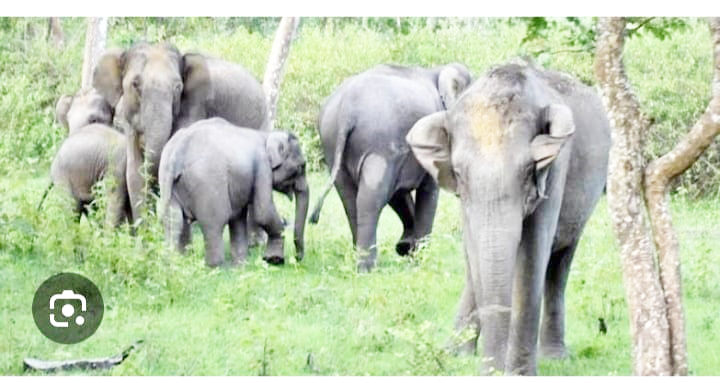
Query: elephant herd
{"points": [[524, 148]]}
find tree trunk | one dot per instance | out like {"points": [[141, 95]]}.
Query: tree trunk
{"points": [[276, 64], [55, 32], [648, 321], [431, 23], [95, 39], [658, 176]]}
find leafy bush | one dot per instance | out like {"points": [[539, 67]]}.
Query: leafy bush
{"points": [[671, 76]]}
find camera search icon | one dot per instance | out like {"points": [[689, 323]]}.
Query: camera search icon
{"points": [[67, 308]]}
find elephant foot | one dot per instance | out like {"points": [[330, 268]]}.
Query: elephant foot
{"points": [[554, 351], [405, 246], [365, 265], [274, 260], [274, 253], [212, 263]]}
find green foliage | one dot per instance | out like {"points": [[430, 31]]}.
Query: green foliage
{"points": [[579, 34], [319, 316]]}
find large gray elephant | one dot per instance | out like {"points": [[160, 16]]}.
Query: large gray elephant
{"points": [[93, 151], [215, 172], [162, 91], [526, 150], [363, 126]]}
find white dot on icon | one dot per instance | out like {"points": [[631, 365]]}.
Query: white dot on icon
{"points": [[79, 320], [68, 310]]}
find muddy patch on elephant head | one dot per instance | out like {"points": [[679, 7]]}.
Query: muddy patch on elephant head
{"points": [[485, 124]]}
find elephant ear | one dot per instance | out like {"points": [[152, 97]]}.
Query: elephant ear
{"points": [[277, 145], [452, 80], [62, 108], [558, 127], [429, 140], [195, 75], [107, 76]]}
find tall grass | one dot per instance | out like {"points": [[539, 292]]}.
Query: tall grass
{"points": [[319, 316]]}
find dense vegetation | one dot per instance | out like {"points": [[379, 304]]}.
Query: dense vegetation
{"points": [[319, 316]]}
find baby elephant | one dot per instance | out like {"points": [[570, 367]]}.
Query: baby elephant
{"points": [[215, 172], [92, 151]]}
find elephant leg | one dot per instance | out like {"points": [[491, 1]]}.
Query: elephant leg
{"points": [[347, 189], [177, 229], [404, 206], [373, 193], [238, 238], [552, 333], [426, 200], [117, 200], [267, 216], [256, 234], [78, 210], [214, 248]]}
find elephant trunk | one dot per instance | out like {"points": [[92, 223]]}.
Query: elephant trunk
{"points": [[156, 120], [492, 236], [302, 200]]}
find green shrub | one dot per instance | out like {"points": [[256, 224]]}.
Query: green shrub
{"points": [[672, 76]]}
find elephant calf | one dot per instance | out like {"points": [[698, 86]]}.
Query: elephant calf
{"points": [[215, 172], [92, 151]]}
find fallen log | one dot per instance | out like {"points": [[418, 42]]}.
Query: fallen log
{"points": [[33, 364]]}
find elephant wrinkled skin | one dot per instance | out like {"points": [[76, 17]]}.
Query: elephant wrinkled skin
{"points": [[92, 152], [215, 172], [362, 127], [526, 150], [156, 91]]}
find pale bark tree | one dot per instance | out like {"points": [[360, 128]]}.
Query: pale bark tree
{"points": [[654, 297], [431, 23], [658, 176], [95, 39], [648, 321], [55, 32], [276, 65]]}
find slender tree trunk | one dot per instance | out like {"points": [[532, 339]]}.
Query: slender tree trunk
{"points": [[276, 64], [648, 321], [55, 32], [658, 176], [431, 23], [95, 39]]}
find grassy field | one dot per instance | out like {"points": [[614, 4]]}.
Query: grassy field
{"points": [[319, 316], [262, 318]]}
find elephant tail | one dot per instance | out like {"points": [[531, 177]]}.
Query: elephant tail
{"points": [[344, 131], [47, 190]]}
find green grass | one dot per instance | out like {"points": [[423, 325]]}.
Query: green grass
{"points": [[262, 318], [393, 321]]}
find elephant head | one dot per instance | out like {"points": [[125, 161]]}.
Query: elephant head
{"points": [[148, 81], [497, 149], [85, 107], [288, 172]]}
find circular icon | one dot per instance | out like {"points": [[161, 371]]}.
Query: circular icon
{"points": [[67, 308]]}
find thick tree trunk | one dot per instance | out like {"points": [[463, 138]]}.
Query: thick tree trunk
{"points": [[658, 176], [55, 32], [95, 39], [648, 321], [276, 64]]}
